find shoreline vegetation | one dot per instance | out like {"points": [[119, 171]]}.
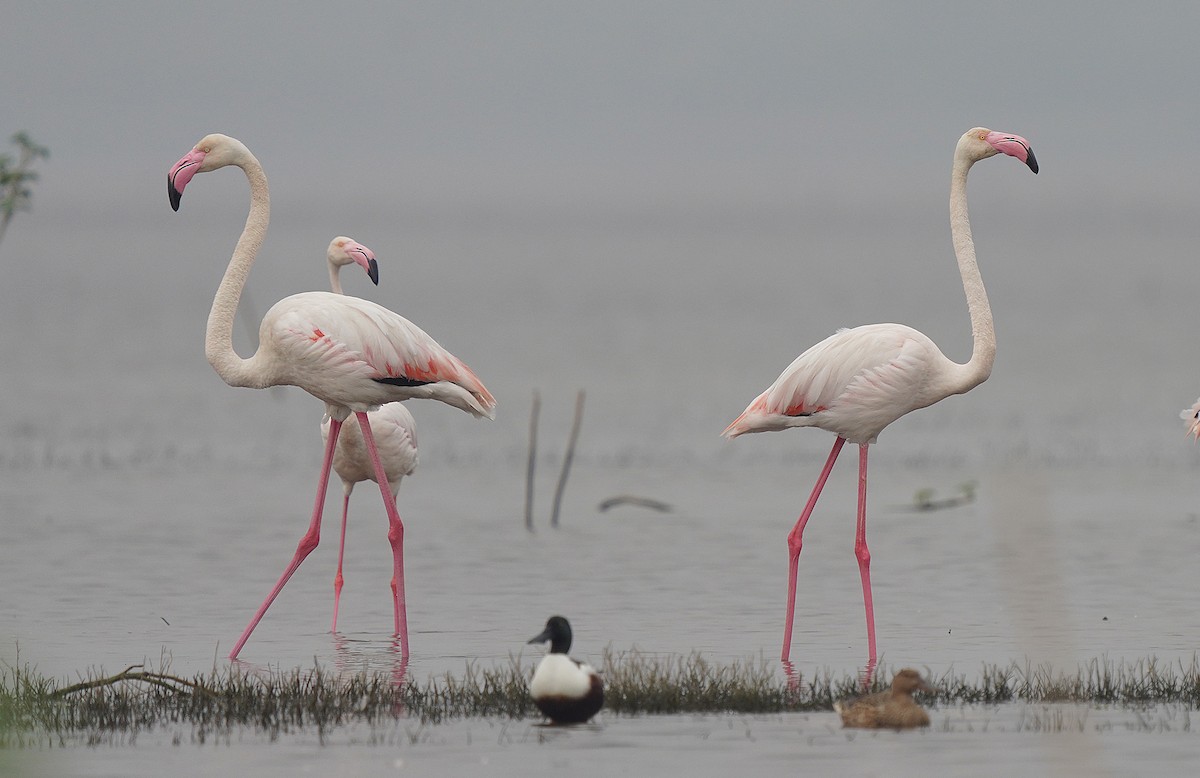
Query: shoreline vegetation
{"points": [[36, 711]]}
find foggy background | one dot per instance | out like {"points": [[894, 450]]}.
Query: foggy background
{"points": [[661, 203]]}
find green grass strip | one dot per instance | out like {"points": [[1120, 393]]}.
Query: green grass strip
{"points": [[35, 710]]}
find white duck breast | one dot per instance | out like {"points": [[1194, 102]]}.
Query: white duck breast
{"points": [[558, 675], [566, 691]]}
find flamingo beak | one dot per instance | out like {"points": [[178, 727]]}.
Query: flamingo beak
{"points": [[1014, 146], [1031, 160], [365, 258], [182, 172]]}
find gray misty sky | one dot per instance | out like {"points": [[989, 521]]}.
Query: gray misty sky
{"points": [[579, 193], [590, 101]]}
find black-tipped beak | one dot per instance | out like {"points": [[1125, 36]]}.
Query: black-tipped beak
{"points": [[1031, 161], [173, 194], [373, 271], [544, 637]]}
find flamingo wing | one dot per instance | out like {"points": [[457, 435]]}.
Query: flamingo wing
{"points": [[853, 383], [333, 340]]}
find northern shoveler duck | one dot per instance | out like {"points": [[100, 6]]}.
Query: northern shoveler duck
{"points": [[893, 709], [566, 690]]}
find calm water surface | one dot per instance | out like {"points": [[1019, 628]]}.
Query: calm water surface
{"points": [[147, 508], [1043, 740]]}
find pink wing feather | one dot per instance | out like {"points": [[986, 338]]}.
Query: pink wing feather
{"points": [[337, 341], [853, 383]]}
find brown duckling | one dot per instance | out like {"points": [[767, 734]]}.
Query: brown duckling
{"points": [[893, 709]]}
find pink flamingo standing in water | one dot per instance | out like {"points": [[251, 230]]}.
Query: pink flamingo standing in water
{"points": [[857, 381], [393, 427], [1191, 418], [352, 354]]}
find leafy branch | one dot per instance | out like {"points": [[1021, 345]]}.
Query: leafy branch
{"points": [[16, 193]]}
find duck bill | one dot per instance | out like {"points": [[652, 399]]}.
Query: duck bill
{"points": [[543, 637]]}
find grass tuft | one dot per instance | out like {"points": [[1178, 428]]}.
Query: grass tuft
{"points": [[36, 711]]}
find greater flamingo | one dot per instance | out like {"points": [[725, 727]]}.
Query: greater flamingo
{"points": [[393, 427], [1191, 418], [857, 381], [352, 354]]}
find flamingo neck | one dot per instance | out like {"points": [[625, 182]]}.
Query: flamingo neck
{"points": [[983, 333], [218, 340], [335, 280]]}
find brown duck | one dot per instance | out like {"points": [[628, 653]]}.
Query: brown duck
{"points": [[893, 709]]}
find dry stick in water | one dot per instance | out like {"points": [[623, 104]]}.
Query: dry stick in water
{"points": [[169, 682], [629, 499], [531, 464], [570, 455]]}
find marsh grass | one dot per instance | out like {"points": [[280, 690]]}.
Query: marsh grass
{"points": [[35, 710]]}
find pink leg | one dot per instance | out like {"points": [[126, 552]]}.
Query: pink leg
{"points": [[337, 579], [863, 553], [395, 534], [796, 542], [307, 543]]}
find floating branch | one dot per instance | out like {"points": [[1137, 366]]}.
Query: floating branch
{"points": [[170, 682], [641, 502], [924, 501], [567, 458]]}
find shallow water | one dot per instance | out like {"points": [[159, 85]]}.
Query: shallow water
{"points": [[1002, 578], [148, 508], [989, 582], [1034, 740]]}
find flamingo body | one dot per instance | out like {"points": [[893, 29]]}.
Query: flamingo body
{"points": [[357, 355], [395, 439], [854, 383], [858, 381]]}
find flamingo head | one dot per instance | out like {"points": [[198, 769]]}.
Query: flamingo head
{"points": [[212, 152], [343, 251], [1191, 419], [982, 143]]}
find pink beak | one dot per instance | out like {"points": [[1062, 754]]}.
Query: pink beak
{"points": [[1014, 146], [364, 258], [182, 172]]}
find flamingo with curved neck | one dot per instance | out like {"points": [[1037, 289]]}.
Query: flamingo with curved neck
{"points": [[349, 353], [344, 251], [857, 381]]}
